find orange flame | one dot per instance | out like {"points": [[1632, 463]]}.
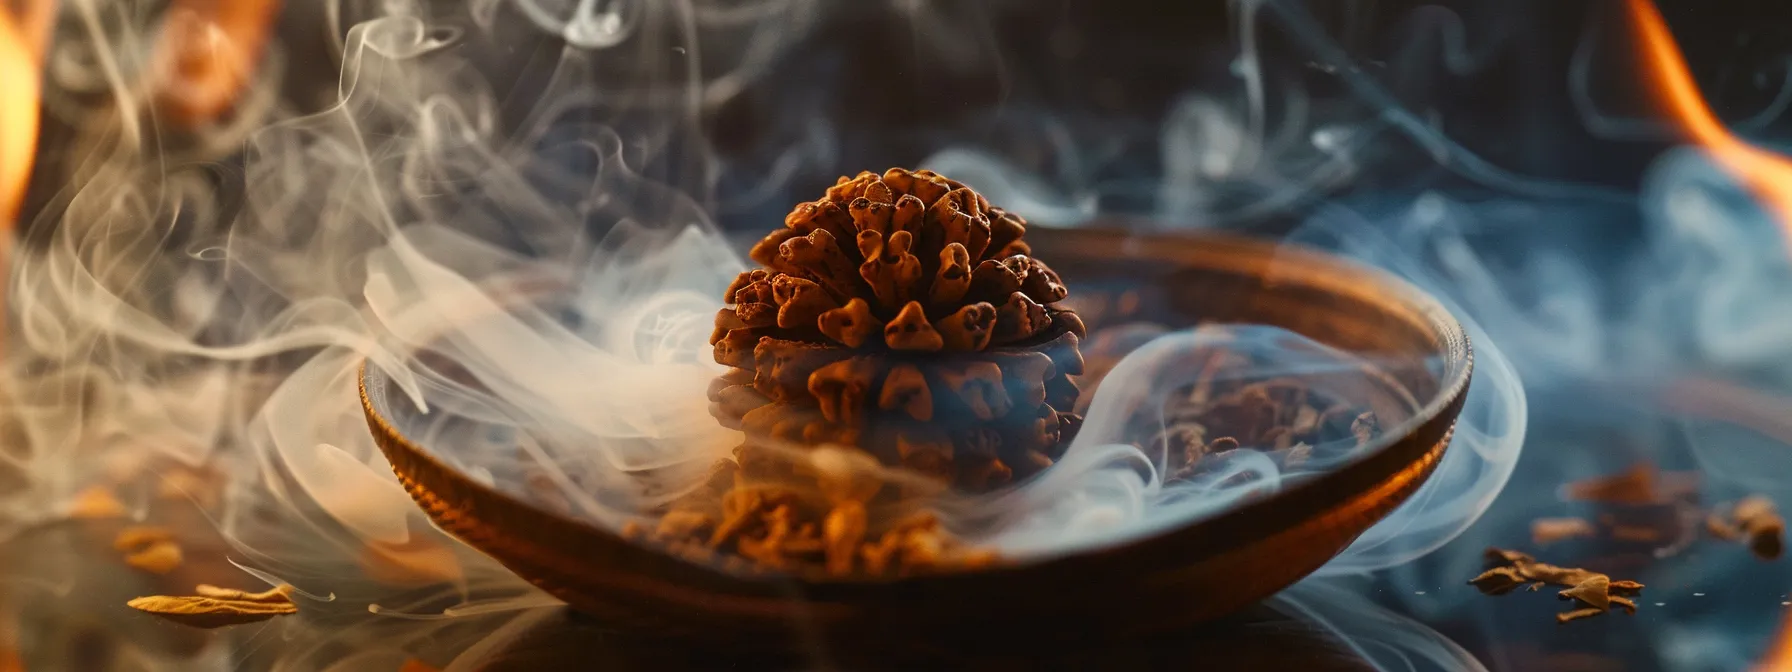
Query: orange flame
{"points": [[1769, 175], [22, 40], [209, 50]]}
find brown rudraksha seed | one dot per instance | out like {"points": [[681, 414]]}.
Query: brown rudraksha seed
{"points": [[901, 321], [901, 314]]}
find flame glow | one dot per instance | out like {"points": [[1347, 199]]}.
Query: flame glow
{"points": [[1768, 174], [209, 50], [21, 58]]}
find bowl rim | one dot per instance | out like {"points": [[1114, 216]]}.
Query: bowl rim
{"points": [[1260, 258]]}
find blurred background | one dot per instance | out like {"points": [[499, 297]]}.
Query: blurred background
{"points": [[1515, 157]]}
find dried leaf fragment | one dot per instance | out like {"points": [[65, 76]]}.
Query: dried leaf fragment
{"points": [[1754, 520], [160, 557], [1591, 592], [1642, 483], [1578, 614], [1498, 581], [94, 503], [1545, 531], [419, 561], [138, 537], [1598, 592], [218, 607]]}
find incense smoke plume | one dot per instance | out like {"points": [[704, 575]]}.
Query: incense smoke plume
{"points": [[537, 257]]}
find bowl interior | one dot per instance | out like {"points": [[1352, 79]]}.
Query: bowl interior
{"points": [[1398, 354]]}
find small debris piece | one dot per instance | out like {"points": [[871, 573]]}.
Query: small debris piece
{"points": [[1754, 520], [160, 557], [419, 561], [1578, 614], [149, 548], [1635, 533], [1499, 581], [1642, 483], [1597, 592], [216, 607], [1592, 592], [96, 503], [139, 537], [1545, 531], [184, 483]]}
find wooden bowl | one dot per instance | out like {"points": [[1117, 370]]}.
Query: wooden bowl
{"points": [[1169, 580]]}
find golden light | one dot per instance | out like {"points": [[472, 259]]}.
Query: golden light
{"points": [[1769, 175], [23, 34], [208, 51]]}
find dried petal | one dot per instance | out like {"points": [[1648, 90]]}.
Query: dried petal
{"points": [[138, 537], [1722, 529], [216, 612], [95, 503], [1297, 456], [420, 561], [1498, 581], [1756, 520], [910, 331], [1498, 556], [1640, 484], [1365, 428], [1591, 592], [1578, 614], [1624, 588], [281, 594], [160, 557], [1546, 531]]}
